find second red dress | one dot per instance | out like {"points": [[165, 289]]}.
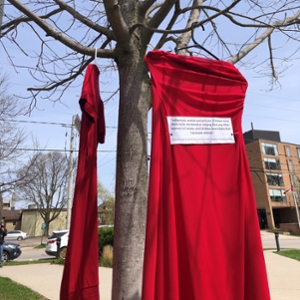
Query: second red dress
{"points": [[202, 240]]}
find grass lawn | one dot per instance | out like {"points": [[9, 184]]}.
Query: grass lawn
{"points": [[41, 246], [33, 262], [291, 253], [10, 290]]}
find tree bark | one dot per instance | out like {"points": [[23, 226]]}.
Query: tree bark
{"points": [[131, 176]]}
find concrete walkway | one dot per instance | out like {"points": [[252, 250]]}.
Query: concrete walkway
{"points": [[46, 279], [283, 274]]}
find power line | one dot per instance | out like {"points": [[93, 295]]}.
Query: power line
{"points": [[40, 122], [271, 107], [56, 150], [264, 117], [270, 96], [49, 123]]}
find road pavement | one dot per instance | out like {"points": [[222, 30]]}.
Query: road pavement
{"points": [[285, 241], [30, 253]]}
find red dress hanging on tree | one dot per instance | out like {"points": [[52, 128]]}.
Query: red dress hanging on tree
{"points": [[81, 272], [202, 240]]}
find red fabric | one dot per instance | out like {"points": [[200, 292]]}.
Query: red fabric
{"points": [[291, 189], [81, 273], [202, 239]]}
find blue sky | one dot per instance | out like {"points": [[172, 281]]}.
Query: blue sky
{"points": [[277, 109]]}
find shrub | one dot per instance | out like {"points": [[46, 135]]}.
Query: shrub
{"points": [[105, 237], [106, 260]]}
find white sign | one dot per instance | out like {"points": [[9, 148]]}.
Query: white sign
{"points": [[200, 130]]}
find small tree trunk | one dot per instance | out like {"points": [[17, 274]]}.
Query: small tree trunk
{"points": [[131, 179], [47, 222]]}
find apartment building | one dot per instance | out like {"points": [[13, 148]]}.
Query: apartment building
{"points": [[275, 170]]}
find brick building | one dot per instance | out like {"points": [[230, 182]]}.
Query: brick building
{"points": [[275, 170]]}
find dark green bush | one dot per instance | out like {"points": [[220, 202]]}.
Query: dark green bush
{"points": [[105, 237]]}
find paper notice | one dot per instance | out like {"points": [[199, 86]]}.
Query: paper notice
{"points": [[200, 130]]}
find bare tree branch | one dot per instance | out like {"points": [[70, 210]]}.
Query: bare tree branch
{"points": [[160, 15], [164, 37], [11, 25], [218, 35], [84, 20], [274, 73], [155, 7], [184, 39], [50, 31], [154, 27], [262, 37], [145, 5], [117, 22]]}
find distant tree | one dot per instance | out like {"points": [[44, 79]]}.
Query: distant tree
{"points": [[46, 184], [11, 136], [106, 204]]}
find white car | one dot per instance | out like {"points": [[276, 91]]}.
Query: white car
{"points": [[51, 247], [16, 235]]}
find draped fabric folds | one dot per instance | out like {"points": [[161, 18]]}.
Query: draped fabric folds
{"points": [[202, 238], [81, 272]]}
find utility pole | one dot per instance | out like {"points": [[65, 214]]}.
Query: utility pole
{"points": [[292, 189], [75, 124], [71, 174], [296, 207]]}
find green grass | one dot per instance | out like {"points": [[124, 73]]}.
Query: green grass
{"points": [[41, 246], [32, 262], [59, 261], [292, 253], [10, 290]]}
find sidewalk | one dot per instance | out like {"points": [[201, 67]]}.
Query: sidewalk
{"points": [[283, 274], [46, 278]]}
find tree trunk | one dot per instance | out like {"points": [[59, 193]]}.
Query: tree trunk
{"points": [[47, 222], [131, 177]]}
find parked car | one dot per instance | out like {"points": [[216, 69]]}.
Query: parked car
{"points": [[16, 235], [10, 251], [51, 247]]}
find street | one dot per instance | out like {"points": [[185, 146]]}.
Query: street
{"points": [[268, 241], [29, 253], [285, 241]]}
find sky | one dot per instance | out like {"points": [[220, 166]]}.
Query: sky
{"points": [[265, 109]]}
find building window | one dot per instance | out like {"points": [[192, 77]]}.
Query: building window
{"points": [[272, 163], [291, 166], [277, 195], [298, 152], [270, 149], [14, 223], [275, 179], [288, 151]]}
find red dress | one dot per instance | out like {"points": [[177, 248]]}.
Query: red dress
{"points": [[81, 272], [202, 238]]}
